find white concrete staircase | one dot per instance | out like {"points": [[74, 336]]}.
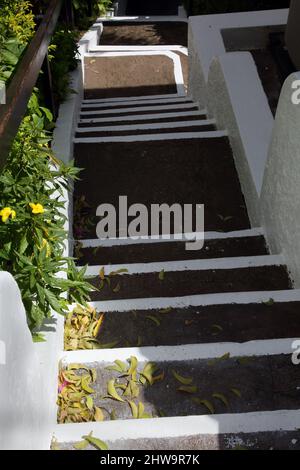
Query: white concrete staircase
{"points": [[232, 312]]}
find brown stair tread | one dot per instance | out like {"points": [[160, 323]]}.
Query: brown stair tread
{"points": [[183, 283], [204, 324], [178, 119], [188, 171], [172, 251], [196, 128]]}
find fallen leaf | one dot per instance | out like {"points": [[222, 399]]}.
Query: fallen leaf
{"points": [[99, 416], [161, 275], [181, 379], [222, 398], [101, 273], [205, 403], [188, 389], [154, 319], [134, 409], [236, 392], [96, 442], [112, 391]]}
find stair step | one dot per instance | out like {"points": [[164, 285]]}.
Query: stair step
{"points": [[181, 302], [181, 171], [204, 324], [153, 137], [190, 282], [266, 382], [169, 96], [146, 118], [159, 128], [172, 250], [130, 111], [268, 430], [268, 440], [135, 103]]}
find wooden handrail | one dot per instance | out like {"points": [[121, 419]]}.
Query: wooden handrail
{"points": [[24, 79]]}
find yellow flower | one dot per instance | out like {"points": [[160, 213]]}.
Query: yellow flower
{"points": [[36, 208], [6, 213]]}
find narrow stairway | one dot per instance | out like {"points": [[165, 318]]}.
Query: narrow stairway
{"points": [[217, 322]]}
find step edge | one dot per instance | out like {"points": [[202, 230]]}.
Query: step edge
{"points": [[153, 125], [142, 117], [94, 242], [152, 137], [140, 109], [133, 98], [178, 100], [199, 300], [184, 352], [236, 262], [259, 421]]}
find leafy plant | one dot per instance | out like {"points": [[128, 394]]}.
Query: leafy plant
{"points": [[32, 234], [17, 20]]}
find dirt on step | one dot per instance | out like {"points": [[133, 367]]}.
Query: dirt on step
{"points": [[145, 34], [108, 77], [136, 286], [205, 324]]}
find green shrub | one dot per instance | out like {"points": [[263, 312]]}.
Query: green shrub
{"points": [[32, 234], [62, 54], [17, 19], [82, 17]]}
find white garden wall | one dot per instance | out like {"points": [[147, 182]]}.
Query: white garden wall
{"points": [[236, 99], [280, 200]]}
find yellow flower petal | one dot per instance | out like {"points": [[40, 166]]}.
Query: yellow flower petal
{"points": [[36, 208], [6, 213]]}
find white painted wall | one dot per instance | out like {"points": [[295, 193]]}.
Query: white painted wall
{"points": [[23, 413], [206, 41], [280, 199], [236, 99]]}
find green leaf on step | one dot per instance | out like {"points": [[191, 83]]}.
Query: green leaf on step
{"points": [[217, 328], [108, 345], [154, 319], [89, 402], [141, 409], [181, 379], [121, 365], [117, 288], [166, 310], [218, 359], [112, 391], [98, 415], [269, 302], [161, 275], [101, 273], [85, 384], [133, 367], [222, 398], [162, 413], [147, 373], [188, 389], [205, 403], [119, 271], [236, 392], [139, 341], [96, 442], [113, 416], [134, 409], [145, 416], [81, 445]]}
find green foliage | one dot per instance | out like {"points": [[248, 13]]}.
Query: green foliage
{"points": [[16, 19], [62, 54], [82, 14], [10, 52], [203, 7], [32, 234]]}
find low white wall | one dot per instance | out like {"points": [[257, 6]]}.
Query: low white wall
{"points": [[236, 99], [280, 200], [206, 41]]}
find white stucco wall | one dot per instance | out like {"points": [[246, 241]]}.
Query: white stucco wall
{"points": [[206, 41], [236, 99], [280, 199]]}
